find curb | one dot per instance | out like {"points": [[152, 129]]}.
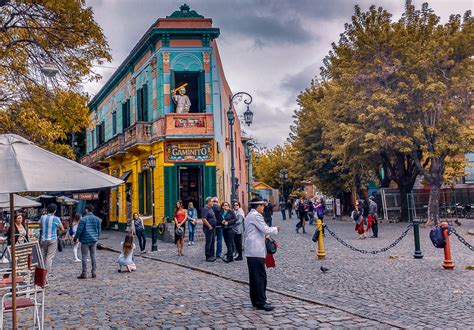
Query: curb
{"points": [[283, 293]]}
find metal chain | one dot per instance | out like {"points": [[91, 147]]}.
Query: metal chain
{"points": [[452, 230], [340, 240]]}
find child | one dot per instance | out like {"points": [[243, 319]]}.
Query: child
{"points": [[126, 257], [72, 233]]}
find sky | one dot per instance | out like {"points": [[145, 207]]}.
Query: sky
{"points": [[269, 48]]}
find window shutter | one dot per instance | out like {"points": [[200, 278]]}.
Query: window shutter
{"points": [[148, 193], [140, 105], [202, 92], [114, 123], [145, 102], [124, 116]]}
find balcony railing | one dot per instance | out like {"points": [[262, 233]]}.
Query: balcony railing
{"points": [[138, 133], [172, 124]]}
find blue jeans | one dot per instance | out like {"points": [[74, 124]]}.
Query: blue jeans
{"points": [[191, 229], [283, 214], [218, 241]]}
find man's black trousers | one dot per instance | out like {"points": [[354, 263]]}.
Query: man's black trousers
{"points": [[210, 236], [258, 281]]}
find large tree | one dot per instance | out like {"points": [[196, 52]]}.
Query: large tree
{"points": [[61, 33], [397, 95]]}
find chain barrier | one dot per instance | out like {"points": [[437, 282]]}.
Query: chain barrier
{"points": [[394, 243], [452, 230]]}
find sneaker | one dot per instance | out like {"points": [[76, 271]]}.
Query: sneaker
{"points": [[77, 260], [212, 259], [190, 243]]}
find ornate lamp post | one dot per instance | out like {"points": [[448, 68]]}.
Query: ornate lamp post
{"points": [[151, 161], [248, 118]]}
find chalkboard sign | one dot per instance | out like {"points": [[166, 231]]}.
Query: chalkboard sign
{"points": [[22, 253]]}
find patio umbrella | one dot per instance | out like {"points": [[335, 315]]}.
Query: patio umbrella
{"points": [[27, 167], [18, 200]]}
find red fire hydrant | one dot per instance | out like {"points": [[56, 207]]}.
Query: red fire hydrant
{"points": [[448, 262]]}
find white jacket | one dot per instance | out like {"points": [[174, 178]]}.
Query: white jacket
{"points": [[255, 231]]}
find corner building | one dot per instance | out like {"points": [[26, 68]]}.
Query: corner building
{"points": [[134, 115]]}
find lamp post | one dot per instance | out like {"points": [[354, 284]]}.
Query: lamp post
{"points": [[151, 161], [248, 118]]}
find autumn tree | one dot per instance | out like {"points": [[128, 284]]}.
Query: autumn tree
{"points": [[58, 33], [396, 95]]}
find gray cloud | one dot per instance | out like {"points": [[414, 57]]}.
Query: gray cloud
{"points": [[295, 83]]}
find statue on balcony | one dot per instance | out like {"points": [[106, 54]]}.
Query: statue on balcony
{"points": [[181, 100]]}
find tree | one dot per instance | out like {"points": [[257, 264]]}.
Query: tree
{"points": [[61, 33], [272, 162], [396, 95]]}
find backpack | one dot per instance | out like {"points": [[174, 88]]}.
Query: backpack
{"points": [[437, 238]]}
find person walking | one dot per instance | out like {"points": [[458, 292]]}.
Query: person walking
{"points": [[180, 218], [302, 212], [125, 258], [372, 218], [138, 229], [21, 231], [217, 212], [320, 210], [209, 228], [75, 247], [50, 225], [229, 222], [238, 229], [268, 212], [289, 207], [256, 231], [192, 218], [283, 209], [358, 218], [88, 233]]}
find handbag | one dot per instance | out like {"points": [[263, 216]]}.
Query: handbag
{"points": [[315, 236], [270, 245], [179, 231]]}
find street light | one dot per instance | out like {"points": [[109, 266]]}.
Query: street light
{"points": [[151, 161], [49, 69], [248, 118]]}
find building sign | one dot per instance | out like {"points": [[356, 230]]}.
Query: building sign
{"points": [[190, 122], [86, 196], [189, 152]]}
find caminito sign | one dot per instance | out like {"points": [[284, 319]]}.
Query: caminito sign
{"points": [[189, 152]]}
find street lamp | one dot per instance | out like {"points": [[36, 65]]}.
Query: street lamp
{"points": [[248, 118], [151, 162], [49, 69]]}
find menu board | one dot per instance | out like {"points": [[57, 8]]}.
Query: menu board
{"points": [[23, 253]]}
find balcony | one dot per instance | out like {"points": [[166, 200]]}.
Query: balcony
{"points": [[137, 134], [174, 124]]}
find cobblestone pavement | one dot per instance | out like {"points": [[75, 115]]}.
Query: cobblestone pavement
{"points": [[163, 295], [389, 287]]}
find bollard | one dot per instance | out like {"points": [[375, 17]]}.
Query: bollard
{"points": [[448, 262], [321, 252], [416, 232]]}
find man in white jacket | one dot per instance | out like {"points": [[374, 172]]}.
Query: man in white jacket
{"points": [[255, 231]]}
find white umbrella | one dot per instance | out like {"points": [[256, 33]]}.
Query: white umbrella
{"points": [[18, 200], [26, 167]]}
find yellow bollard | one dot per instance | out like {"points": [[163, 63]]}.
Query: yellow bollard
{"points": [[321, 252]]}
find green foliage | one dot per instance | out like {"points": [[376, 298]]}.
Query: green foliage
{"points": [[33, 33]]}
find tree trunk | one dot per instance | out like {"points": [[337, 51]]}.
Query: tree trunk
{"points": [[433, 205], [405, 189]]}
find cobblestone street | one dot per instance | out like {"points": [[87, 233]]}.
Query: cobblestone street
{"points": [[390, 287], [387, 290]]}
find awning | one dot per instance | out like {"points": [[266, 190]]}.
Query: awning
{"points": [[125, 175]]}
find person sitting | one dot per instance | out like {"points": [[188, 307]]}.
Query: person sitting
{"points": [[126, 256], [21, 232]]}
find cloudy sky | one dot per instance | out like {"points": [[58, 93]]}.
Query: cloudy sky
{"points": [[269, 48]]}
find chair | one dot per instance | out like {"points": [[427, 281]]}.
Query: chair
{"points": [[28, 297]]}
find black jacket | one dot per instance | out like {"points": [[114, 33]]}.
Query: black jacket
{"points": [[231, 218], [217, 212], [268, 211]]}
